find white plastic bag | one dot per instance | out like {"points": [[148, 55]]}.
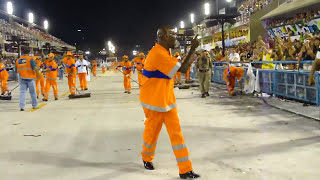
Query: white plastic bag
{"points": [[249, 81], [257, 84], [88, 76]]}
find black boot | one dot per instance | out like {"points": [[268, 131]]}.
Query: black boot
{"points": [[189, 175], [203, 96], [148, 165], [207, 94], [85, 89]]}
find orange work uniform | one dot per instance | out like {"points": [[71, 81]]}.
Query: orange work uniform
{"points": [[52, 74], [103, 68], [139, 64], [159, 105], [127, 69], [230, 74], [94, 68], [72, 75], [187, 75], [177, 81], [40, 80], [4, 75]]}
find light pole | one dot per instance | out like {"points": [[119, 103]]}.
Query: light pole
{"points": [[10, 10], [31, 19], [181, 24], [46, 25], [192, 18], [207, 9]]}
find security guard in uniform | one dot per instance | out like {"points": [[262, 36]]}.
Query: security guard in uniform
{"points": [[204, 68]]}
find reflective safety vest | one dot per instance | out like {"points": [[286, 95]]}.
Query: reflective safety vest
{"points": [[156, 92], [126, 67], [52, 70], [24, 68], [3, 71]]}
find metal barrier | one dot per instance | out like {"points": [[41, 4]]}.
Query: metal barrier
{"points": [[291, 84]]}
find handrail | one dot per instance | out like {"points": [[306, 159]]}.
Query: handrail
{"points": [[265, 62]]}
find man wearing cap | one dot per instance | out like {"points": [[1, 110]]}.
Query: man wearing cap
{"points": [[127, 70], [52, 75], [72, 72], [139, 63], [204, 68], [28, 72], [82, 67]]}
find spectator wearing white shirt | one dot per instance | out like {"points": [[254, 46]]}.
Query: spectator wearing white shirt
{"points": [[82, 67], [234, 57]]}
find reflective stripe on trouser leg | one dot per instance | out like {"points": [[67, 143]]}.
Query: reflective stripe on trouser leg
{"points": [[47, 88], [171, 120], [55, 88], [125, 82], [129, 83], [153, 125]]}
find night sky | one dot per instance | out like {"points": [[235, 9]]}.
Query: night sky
{"points": [[125, 22]]}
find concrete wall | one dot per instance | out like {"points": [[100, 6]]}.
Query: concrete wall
{"points": [[256, 26]]}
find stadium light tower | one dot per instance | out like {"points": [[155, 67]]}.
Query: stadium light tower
{"points": [[46, 25], [181, 24], [206, 9], [9, 8], [175, 29], [228, 1], [31, 18], [192, 18]]}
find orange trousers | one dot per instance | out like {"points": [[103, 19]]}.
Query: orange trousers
{"points": [[4, 87], [49, 83], [94, 71], [127, 83], [153, 125], [231, 85], [178, 74], [83, 80], [140, 76], [72, 80], [103, 70], [40, 81], [187, 75]]}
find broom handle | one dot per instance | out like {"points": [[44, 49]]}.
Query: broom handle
{"points": [[130, 78]]}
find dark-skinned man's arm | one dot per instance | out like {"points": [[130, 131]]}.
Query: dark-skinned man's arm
{"points": [[188, 61]]}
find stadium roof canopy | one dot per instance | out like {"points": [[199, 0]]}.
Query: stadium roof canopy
{"points": [[289, 9]]}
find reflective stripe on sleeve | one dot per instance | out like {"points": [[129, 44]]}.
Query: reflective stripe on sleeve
{"points": [[174, 70]]}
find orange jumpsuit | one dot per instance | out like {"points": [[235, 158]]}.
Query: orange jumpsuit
{"points": [[178, 74], [94, 68], [187, 75], [139, 63], [3, 78], [72, 75], [103, 68], [52, 74], [40, 80], [127, 69], [230, 74], [159, 105]]}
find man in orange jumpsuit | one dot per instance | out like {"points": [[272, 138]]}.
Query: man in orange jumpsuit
{"points": [[40, 80], [52, 74], [3, 78], [94, 68], [230, 74], [72, 72], [103, 67], [139, 63], [127, 70], [159, 102], [178, 74]]}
